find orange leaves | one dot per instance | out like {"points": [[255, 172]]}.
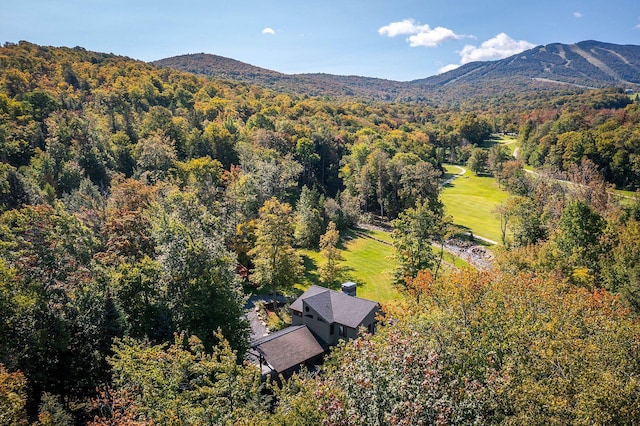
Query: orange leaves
{"points": [[13, 397]]}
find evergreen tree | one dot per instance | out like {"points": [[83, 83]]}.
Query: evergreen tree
{"points": [[308, 226], [330, 271]]}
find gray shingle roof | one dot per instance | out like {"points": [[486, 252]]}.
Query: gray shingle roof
{"points": [[335, 306], [288, 348], [314, 289]]}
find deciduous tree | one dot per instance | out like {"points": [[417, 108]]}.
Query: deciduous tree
{"points": [[413, 231], [308, 218], [277, 264], [479, 161], [13, 398], [578, 241], [182, 383]]}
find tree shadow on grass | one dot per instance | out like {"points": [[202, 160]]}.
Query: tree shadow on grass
{"points": [[346, 236], [488, 143], [311, 274], [465, 233]]}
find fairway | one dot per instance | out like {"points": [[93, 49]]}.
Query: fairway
{"points": [[509, 142], [369, 264], [471, 201]]}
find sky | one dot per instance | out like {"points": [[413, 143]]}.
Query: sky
{"points": [[393, 39]]}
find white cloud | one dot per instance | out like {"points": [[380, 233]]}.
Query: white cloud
{"points": [[433, 38], [447, 68], [499, 47], [406, 26], [268, 31], [578, 14], [420, 35]]}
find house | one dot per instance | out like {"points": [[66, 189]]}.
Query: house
{"points": [[284, 351], [320, 318], [332, 315]]}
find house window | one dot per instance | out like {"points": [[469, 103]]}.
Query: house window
{"points": [[332, 329], [341, 331], [306, 309]]}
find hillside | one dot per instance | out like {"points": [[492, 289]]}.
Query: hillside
{"points": [[555, 66], [588, 63], [311, 84]]}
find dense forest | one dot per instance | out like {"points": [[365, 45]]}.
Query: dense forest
{"points": [[606, 133], [130, 194]]}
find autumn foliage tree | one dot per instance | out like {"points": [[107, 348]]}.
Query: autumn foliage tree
{"points": [[13, 398], [182, 383], [277, 263], [548, 351]]}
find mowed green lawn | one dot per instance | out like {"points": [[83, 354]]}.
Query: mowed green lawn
{"points": [[471, 201], [449, 260], [367, 262]]}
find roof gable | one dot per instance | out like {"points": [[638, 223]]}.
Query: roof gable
{"points": [[313, 290], [335, 306]]}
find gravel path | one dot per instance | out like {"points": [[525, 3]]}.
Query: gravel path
{"points": [[460, 173], [258, 326]]}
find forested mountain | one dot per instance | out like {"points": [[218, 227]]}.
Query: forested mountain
{"points": [[129, 194], [587, 64], [310, 84]]}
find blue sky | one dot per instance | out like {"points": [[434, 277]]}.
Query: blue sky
{"points": [[399, 40]]}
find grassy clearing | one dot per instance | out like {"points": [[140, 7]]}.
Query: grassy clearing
{"points": [[625, 198], [448, 258], [627, 194], [378, 234], [471, 200], [367, 262]]}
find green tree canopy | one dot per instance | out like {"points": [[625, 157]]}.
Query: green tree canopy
{"points": [[413, 232], [277, 265]]}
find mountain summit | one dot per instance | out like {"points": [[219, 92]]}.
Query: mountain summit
{"points": [[588, 63]]}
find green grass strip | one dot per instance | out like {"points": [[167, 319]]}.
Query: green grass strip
{"points": [[471, 201]]}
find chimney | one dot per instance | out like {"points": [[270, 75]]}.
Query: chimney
{"points": [[349, 288]]}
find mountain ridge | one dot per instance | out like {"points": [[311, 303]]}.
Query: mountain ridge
{"points": [[587, 64]]}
